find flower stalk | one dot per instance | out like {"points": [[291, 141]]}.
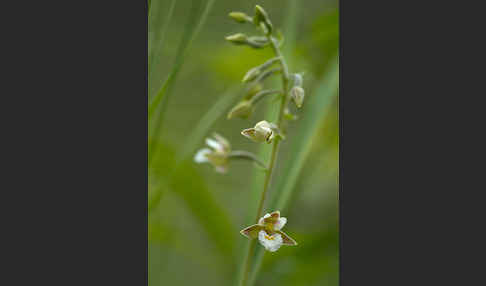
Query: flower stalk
{"points": [[266, 229], [275, 148]]}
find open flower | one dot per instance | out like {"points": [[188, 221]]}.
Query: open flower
{"points": [[268, 231], [217, 155], [262, 132]]}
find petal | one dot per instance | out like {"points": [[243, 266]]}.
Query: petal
{"points": [[201, 157], [271, 218], [270, 244], [214, 144], [280, 223], [262, 219], [252, 231], [287, 240], [223, 142], [275, 214]]}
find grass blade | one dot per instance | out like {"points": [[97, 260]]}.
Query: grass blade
{"points": [[314, 115], [193, 27], [195, 194], [155, 50], [160, 100], [218, 110]]}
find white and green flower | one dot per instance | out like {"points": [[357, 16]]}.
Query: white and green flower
{"points": [[262, 132], [268, 231], [217, 155]]}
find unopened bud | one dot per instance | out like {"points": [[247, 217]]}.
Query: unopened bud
{"points": [[252, 90], [251, 74], [297, 94], [256, 71], [237, 39], [240, 17], [261, 16], [243, 109]]}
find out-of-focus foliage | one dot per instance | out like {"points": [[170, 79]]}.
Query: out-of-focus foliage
{"points": [[195, 213]]}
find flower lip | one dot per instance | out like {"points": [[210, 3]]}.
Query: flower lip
{"points": [[271, 242], [201, 155]]}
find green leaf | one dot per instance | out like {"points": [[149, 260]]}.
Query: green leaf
{"points": [[158, 33], [160, 100]]}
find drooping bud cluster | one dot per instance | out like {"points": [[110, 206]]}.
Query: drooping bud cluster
{"points": [[261, 19]]}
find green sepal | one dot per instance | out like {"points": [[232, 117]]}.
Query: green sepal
{"points": [[287, 240], [252, 231]]}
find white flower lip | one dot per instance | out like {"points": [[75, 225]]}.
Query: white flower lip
{"points": [[271, 242], [201, 157]]}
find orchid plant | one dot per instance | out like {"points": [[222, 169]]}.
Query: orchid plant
{"points": [[267, 228]]}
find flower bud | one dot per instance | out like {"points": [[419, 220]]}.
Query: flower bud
{"points": [[243, 109], [262, 132], [238, 39], [252, 90], [261, 16], [256, 71], [240, 17], [251, 74], [297, 94]]}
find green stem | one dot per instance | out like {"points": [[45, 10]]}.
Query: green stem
{"points": [[263, 93], [273, 158], [239, 154]]}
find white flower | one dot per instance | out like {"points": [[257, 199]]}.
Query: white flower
{"points": [[270, 242], [262, 132], [217, 155], [268, 231]]}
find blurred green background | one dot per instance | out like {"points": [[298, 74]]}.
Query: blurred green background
{"points": [[195, 214]]}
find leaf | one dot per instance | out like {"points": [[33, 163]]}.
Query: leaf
{"points": [[192, 29], [160, 100], [160, 31]]}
